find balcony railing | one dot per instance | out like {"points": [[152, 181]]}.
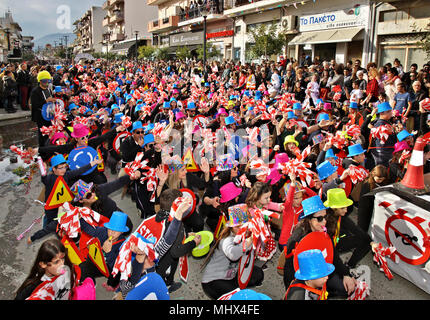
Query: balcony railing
{"points": [[195, 12], [106, 22], [113, 2], [117, 37], [164, 23], [117, 17]]}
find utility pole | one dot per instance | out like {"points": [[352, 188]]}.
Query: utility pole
{"points": [[66, 38], [136, 33]]}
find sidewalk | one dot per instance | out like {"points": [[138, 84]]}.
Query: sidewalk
{"points": [[9, 118]]}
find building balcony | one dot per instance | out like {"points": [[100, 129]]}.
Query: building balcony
{"points": [[117, 37], [241, 7], [164, 24], [118, 17], [106, 22], [194, 15]]}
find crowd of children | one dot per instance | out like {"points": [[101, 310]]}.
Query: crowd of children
{"points": [[260, 163]]}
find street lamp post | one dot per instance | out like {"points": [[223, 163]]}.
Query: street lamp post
{"points": [[136, 33], [7, 31], [204, 11]]}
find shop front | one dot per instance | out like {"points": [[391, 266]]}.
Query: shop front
{"points": [[336, 35]]}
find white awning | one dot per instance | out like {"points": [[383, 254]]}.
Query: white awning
{"points": [[325, 36]]}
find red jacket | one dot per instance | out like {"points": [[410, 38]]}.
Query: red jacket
{"points": [[290, 215]]}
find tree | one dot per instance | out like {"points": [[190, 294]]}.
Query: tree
{"points": [[161, 53], [146, 52], [267, 40], [183, 53], [424, 42], [211, 51]]}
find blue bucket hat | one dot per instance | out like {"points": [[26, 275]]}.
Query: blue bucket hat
{"points": [[323, 116], [297, 106], [355, 150], [166, 105], [148, 139], [191, 105], [325, 170], [311, 205], [402, 135], [384, 106], [258, 95], [312, 265], [73, 106], [117, 222], [229, 120], [248, 294], [291, 115], [330, 154], [138, 108], [114, 106], [58, 89], [136, 125], [58, 159]]}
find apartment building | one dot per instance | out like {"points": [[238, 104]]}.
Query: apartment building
{"points": [[89, 31], [181, 23], [126, 20], [10, 38], [399, 26]]}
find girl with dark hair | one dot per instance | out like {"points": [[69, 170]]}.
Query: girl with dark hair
{"points": [[51, 261], [314, 218], [378, 177]]}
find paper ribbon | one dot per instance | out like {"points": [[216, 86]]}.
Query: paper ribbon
{"points": [[23, 154], [361, 291], [69, 222], [357, 174], [425, 104], [260, 166], [379, 254], [257, 227], [123, 261], [382, 133], [126, 121]]}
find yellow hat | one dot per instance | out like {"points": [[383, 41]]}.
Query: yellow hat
{"points": [[336, 198], [43, 75], [289, 139]]}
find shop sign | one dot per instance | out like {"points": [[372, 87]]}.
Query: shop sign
{"points": [[184, 39], [220, 34], [353, 17]]}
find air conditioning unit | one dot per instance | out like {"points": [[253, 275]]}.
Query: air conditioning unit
{"points": [[288, 23]]}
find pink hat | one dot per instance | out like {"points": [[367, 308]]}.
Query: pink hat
{"points": [[327, 106], [274, 176], [179, 115], [80, 130], [400, 146], [57, 136], [229, 191], [221, 111], [280, 158]]}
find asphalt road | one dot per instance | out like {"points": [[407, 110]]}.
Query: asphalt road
{"points": [[18, 210]]}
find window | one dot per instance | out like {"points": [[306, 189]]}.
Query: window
{"points": [[388, 54], [416, 55], [237, 29]]}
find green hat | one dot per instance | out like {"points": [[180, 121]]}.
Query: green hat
{"points": [[289, 139], [336, 198]]}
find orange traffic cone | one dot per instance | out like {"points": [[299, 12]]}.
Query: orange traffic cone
{"points": [[414, 177]]}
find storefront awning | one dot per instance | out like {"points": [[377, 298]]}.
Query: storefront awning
{"points": [[325, 36]]}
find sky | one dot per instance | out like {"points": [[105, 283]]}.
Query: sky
{"points": [[38, 18]]}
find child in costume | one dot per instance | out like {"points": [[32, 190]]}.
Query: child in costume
{"points": [[59, 169], [311, 277]]}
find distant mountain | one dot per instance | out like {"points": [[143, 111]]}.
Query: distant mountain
{"points": [[50, 38]]}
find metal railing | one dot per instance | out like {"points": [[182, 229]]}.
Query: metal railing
{"points": [[195, 12]]}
